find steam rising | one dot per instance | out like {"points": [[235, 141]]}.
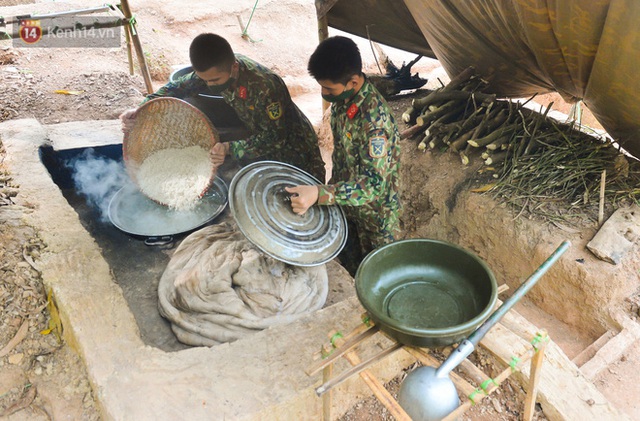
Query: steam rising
{"points": [[98, 179]]}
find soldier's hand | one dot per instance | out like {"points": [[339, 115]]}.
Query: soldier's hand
{"points": [[302, 198], [218, 152], [128, 118]]}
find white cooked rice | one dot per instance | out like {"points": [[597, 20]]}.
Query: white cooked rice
{"points": [[176, 177]]}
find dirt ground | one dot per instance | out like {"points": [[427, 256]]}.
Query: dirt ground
{"points": [[40, 377]]}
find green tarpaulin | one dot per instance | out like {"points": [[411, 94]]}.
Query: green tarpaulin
{"points": [[584, 50]]}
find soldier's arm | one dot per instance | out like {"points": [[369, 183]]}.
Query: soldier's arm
{"points": [[185, 86]]}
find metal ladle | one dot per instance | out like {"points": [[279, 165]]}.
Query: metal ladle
{"points": [[428, 394]]}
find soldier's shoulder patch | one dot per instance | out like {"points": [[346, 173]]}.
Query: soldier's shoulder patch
{"points": [[242, 92], [377, 144], [352, 111], [274, 110]]}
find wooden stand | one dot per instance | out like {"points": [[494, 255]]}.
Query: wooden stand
{"points": [[340, 346]]}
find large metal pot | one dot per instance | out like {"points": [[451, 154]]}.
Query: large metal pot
{"points": [[426, 293], [136, 214]]}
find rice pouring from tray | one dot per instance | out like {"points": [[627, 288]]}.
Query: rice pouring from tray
{"points": [[176, 177]]}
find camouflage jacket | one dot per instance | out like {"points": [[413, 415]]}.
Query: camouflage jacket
{"points": [[366, 163], [279, 129]]}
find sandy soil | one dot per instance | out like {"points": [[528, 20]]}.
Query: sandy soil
{"points": [[40, 377]]}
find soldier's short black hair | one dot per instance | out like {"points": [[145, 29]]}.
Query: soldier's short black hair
{"points": [[210, 50], [336, 59]]}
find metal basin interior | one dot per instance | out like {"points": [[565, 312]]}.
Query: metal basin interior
{"points": [[426, 293]]}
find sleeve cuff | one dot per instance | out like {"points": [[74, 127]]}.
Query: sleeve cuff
{"points": [[326, 195], [237, 148]]}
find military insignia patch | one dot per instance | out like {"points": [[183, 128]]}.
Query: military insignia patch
{"points": [[242, 92], [274, 110], [378, 146], [352, 111]]}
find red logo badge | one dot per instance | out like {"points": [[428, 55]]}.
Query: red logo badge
{"points": [[30, 31], [242, 92], [352, 111]]}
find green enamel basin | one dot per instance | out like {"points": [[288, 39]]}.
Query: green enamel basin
{"points": [[426, 293]]}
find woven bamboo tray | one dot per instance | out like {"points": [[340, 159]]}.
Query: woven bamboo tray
{"points": [[164, 123]]}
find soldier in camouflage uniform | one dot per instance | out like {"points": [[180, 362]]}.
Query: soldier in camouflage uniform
{"points": [[366, 156], [279, 130]]}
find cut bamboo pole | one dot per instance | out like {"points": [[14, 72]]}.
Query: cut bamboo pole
{"points": [[536, 365], [411, 131], [492, 387], [603, 182], [127, 37], [409, 115], [372, 382], [327, 373], [359, 334], [126, 11], [323, 33], [357, 368], [460, 79]]}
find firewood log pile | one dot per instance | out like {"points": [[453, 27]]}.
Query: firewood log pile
{"points": [[529, 154]]}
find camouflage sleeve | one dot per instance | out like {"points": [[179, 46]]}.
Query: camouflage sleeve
{"points": [[184, 87], [371, 180], [270, 121]]}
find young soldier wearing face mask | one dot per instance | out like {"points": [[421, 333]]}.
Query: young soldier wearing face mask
{"points": [[366, 156], [279, 130]]}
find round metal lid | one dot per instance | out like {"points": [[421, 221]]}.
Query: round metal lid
{"points": [[262, 210], [134, 213]]}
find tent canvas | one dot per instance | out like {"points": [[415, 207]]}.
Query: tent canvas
{"points": [[585, 51]]}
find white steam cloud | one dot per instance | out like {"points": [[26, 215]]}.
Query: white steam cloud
{"points": [[98, 179]]}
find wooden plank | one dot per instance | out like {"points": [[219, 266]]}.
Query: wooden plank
{"points": [[565, 393], [608, 354], [590, 351], [614, 348]]}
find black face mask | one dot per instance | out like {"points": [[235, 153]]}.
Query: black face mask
{"points": [[218, 89], [335, 98]]}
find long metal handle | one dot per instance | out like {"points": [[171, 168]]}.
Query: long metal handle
{"points": [[467, 346], [518, 294]]}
